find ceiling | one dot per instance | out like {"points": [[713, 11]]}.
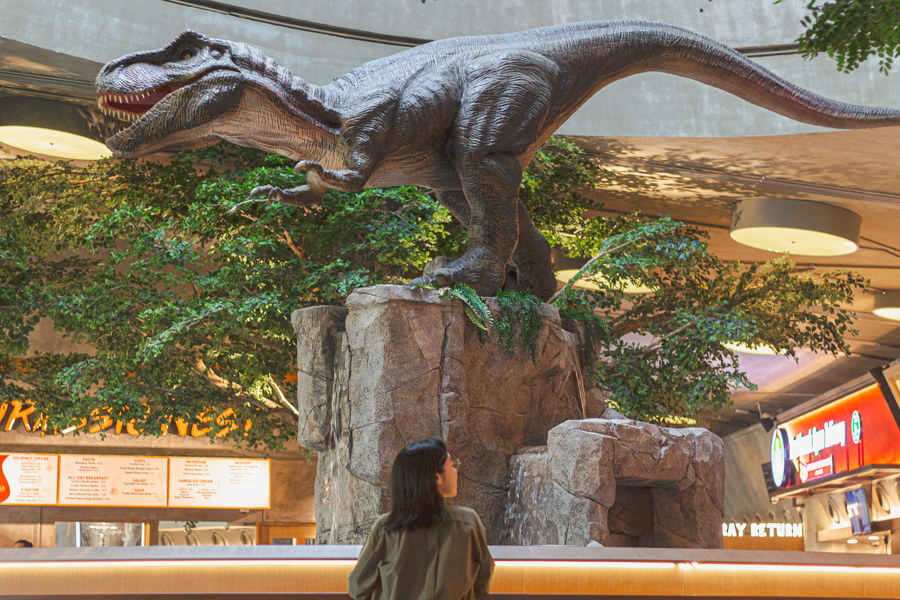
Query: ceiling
{"points": [[696, 180]]}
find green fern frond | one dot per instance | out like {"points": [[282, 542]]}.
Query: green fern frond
{"points": [[479, 308], [476, 321], [476, 309]]}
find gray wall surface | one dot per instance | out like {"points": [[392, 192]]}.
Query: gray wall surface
{"points": [[745, 489], [646, 105]]}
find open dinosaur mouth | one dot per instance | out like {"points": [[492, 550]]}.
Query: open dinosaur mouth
{"points": [[133, 106]]}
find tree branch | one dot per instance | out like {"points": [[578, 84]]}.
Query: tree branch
{"points": [[281, 395], [670, 335], [580, 272]]}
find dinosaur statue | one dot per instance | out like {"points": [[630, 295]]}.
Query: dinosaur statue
{"points": [[461, 116]]}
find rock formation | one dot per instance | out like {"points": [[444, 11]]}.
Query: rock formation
{"points": [[620, 482], [400, 364]]}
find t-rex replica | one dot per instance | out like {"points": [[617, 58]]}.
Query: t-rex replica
{"points": [[461, 116]]}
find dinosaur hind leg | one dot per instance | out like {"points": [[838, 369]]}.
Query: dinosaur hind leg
{"points": [[506, 100], [490, 189], [532, 259]]}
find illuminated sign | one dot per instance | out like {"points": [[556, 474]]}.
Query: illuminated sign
{"points": [[761, 530], [112, 480], [779, 458], [816, 440], [28, 479], [134, 481], [219, 483], [23, 415], [833, 439]]}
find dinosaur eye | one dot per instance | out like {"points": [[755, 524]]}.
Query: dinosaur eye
{"points": [[187, 55], [216, 53]]}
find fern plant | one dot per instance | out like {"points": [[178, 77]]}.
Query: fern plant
{"points": [[475, 307], [523, 308]]}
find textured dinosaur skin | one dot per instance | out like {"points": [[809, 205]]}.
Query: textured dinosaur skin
{"points": [[461, 116]]}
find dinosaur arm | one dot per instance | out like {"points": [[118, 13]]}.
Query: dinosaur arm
{"points": [[345, 180], [302, 195], [364, 139]]}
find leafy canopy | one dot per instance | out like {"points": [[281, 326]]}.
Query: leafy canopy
{"points": [[180, 291], [850, 31], [663, 355], [183, 306]]}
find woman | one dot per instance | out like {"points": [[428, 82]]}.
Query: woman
{"points": [[424, 549]]}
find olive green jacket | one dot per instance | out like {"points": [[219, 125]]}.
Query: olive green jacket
{"points": [[449, 561]]}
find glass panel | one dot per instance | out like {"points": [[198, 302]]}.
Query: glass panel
{"points": [[74, 534]]}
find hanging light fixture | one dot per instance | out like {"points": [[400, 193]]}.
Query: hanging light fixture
{"points": [[567, 267], [761, 349], [795, 226], [887, 304], [57, 129]]}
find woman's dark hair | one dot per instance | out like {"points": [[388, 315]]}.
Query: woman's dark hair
{"points": [[417, 503]]}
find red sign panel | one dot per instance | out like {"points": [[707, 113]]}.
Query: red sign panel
{"points": [[853, 432]]}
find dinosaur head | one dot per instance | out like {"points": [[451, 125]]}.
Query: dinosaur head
{"points": [[175, 95]]}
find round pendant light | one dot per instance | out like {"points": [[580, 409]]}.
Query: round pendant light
{"points": [[56, 129], [795, 226], [887, 304], [567, 267], [761, 349]]}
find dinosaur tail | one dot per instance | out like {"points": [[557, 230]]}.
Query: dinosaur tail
{"points": [[670, 49]]}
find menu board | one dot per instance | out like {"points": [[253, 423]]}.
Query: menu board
{"points": [[219, 483], [28, 478], [112, 480]]}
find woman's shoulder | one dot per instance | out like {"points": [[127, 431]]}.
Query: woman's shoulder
{"points": [[464, 514], [380, 522]]}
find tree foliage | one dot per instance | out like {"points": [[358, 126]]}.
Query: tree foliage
{"points": [[181, 290], [185, 303], [663, 354], [850, 31]]}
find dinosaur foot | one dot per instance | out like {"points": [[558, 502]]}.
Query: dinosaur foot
{"points": [[477, 268], [536, 277]]}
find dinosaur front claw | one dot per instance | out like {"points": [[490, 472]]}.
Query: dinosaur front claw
{"points": [[440, 277], [423, 280], [270, 191], [306, 165]]}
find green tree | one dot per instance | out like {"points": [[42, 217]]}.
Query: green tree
{"points": [[664, 354], [850, 31], [185, 293], [183, 289]]}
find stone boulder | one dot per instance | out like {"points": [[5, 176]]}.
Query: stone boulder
{"points": [[318, 330], [620, 482]]}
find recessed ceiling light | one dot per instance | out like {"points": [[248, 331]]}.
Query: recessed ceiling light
{"points": [[874, 537], [747, 349], [57, 129], [795, 226], [49, 142], [629, 287], [887, 304], [852, 541]]}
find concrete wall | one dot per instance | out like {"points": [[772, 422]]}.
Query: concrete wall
{"points": [[746, 497], [644, 105]]}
